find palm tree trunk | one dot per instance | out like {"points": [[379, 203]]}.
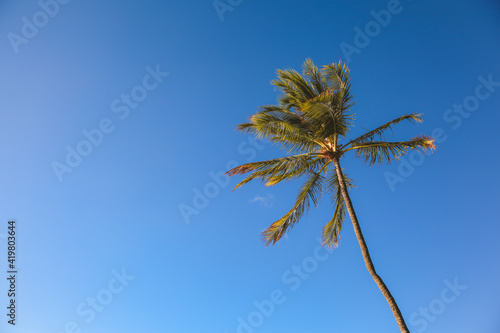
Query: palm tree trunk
{"points": [[364, 250]]}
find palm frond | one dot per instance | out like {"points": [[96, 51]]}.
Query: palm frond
{"points": [[337, 78], [378, 133], [314, 75], [373, 152], [315, 164], [311, 190], [295, 87], [333, 229], [321, 99], [324, 116], [276, 170], [281, 126]]}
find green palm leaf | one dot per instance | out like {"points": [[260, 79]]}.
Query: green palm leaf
{"points": [[276, 170], [378, 133], [283, 127], [333, 229], [310, 191], [314, 75], [295, 87], [376, 152]]}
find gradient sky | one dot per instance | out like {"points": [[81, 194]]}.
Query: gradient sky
{"points": [[429, 221]]}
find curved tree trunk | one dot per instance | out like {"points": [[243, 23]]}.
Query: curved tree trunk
{"points": [[364, 250]]}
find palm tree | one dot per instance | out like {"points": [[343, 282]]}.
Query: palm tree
{"points": [[310, 121]]}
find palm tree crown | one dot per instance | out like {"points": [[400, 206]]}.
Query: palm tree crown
{"points": [[310, 121]]}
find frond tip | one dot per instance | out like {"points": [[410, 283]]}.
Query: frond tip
{"points": [[239, 170], [426, 142]]}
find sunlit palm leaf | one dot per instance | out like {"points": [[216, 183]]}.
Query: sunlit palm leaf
{"points": [[310, 191], [378, 133], [337, 78], [376, 152], [314, 75], [279, 169], [282, 127], [333, 229]]}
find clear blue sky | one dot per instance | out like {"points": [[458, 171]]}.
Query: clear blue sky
{"points": [[159, 87]]}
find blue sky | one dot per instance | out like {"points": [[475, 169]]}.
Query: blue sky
{"points": [[150, 93]]}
